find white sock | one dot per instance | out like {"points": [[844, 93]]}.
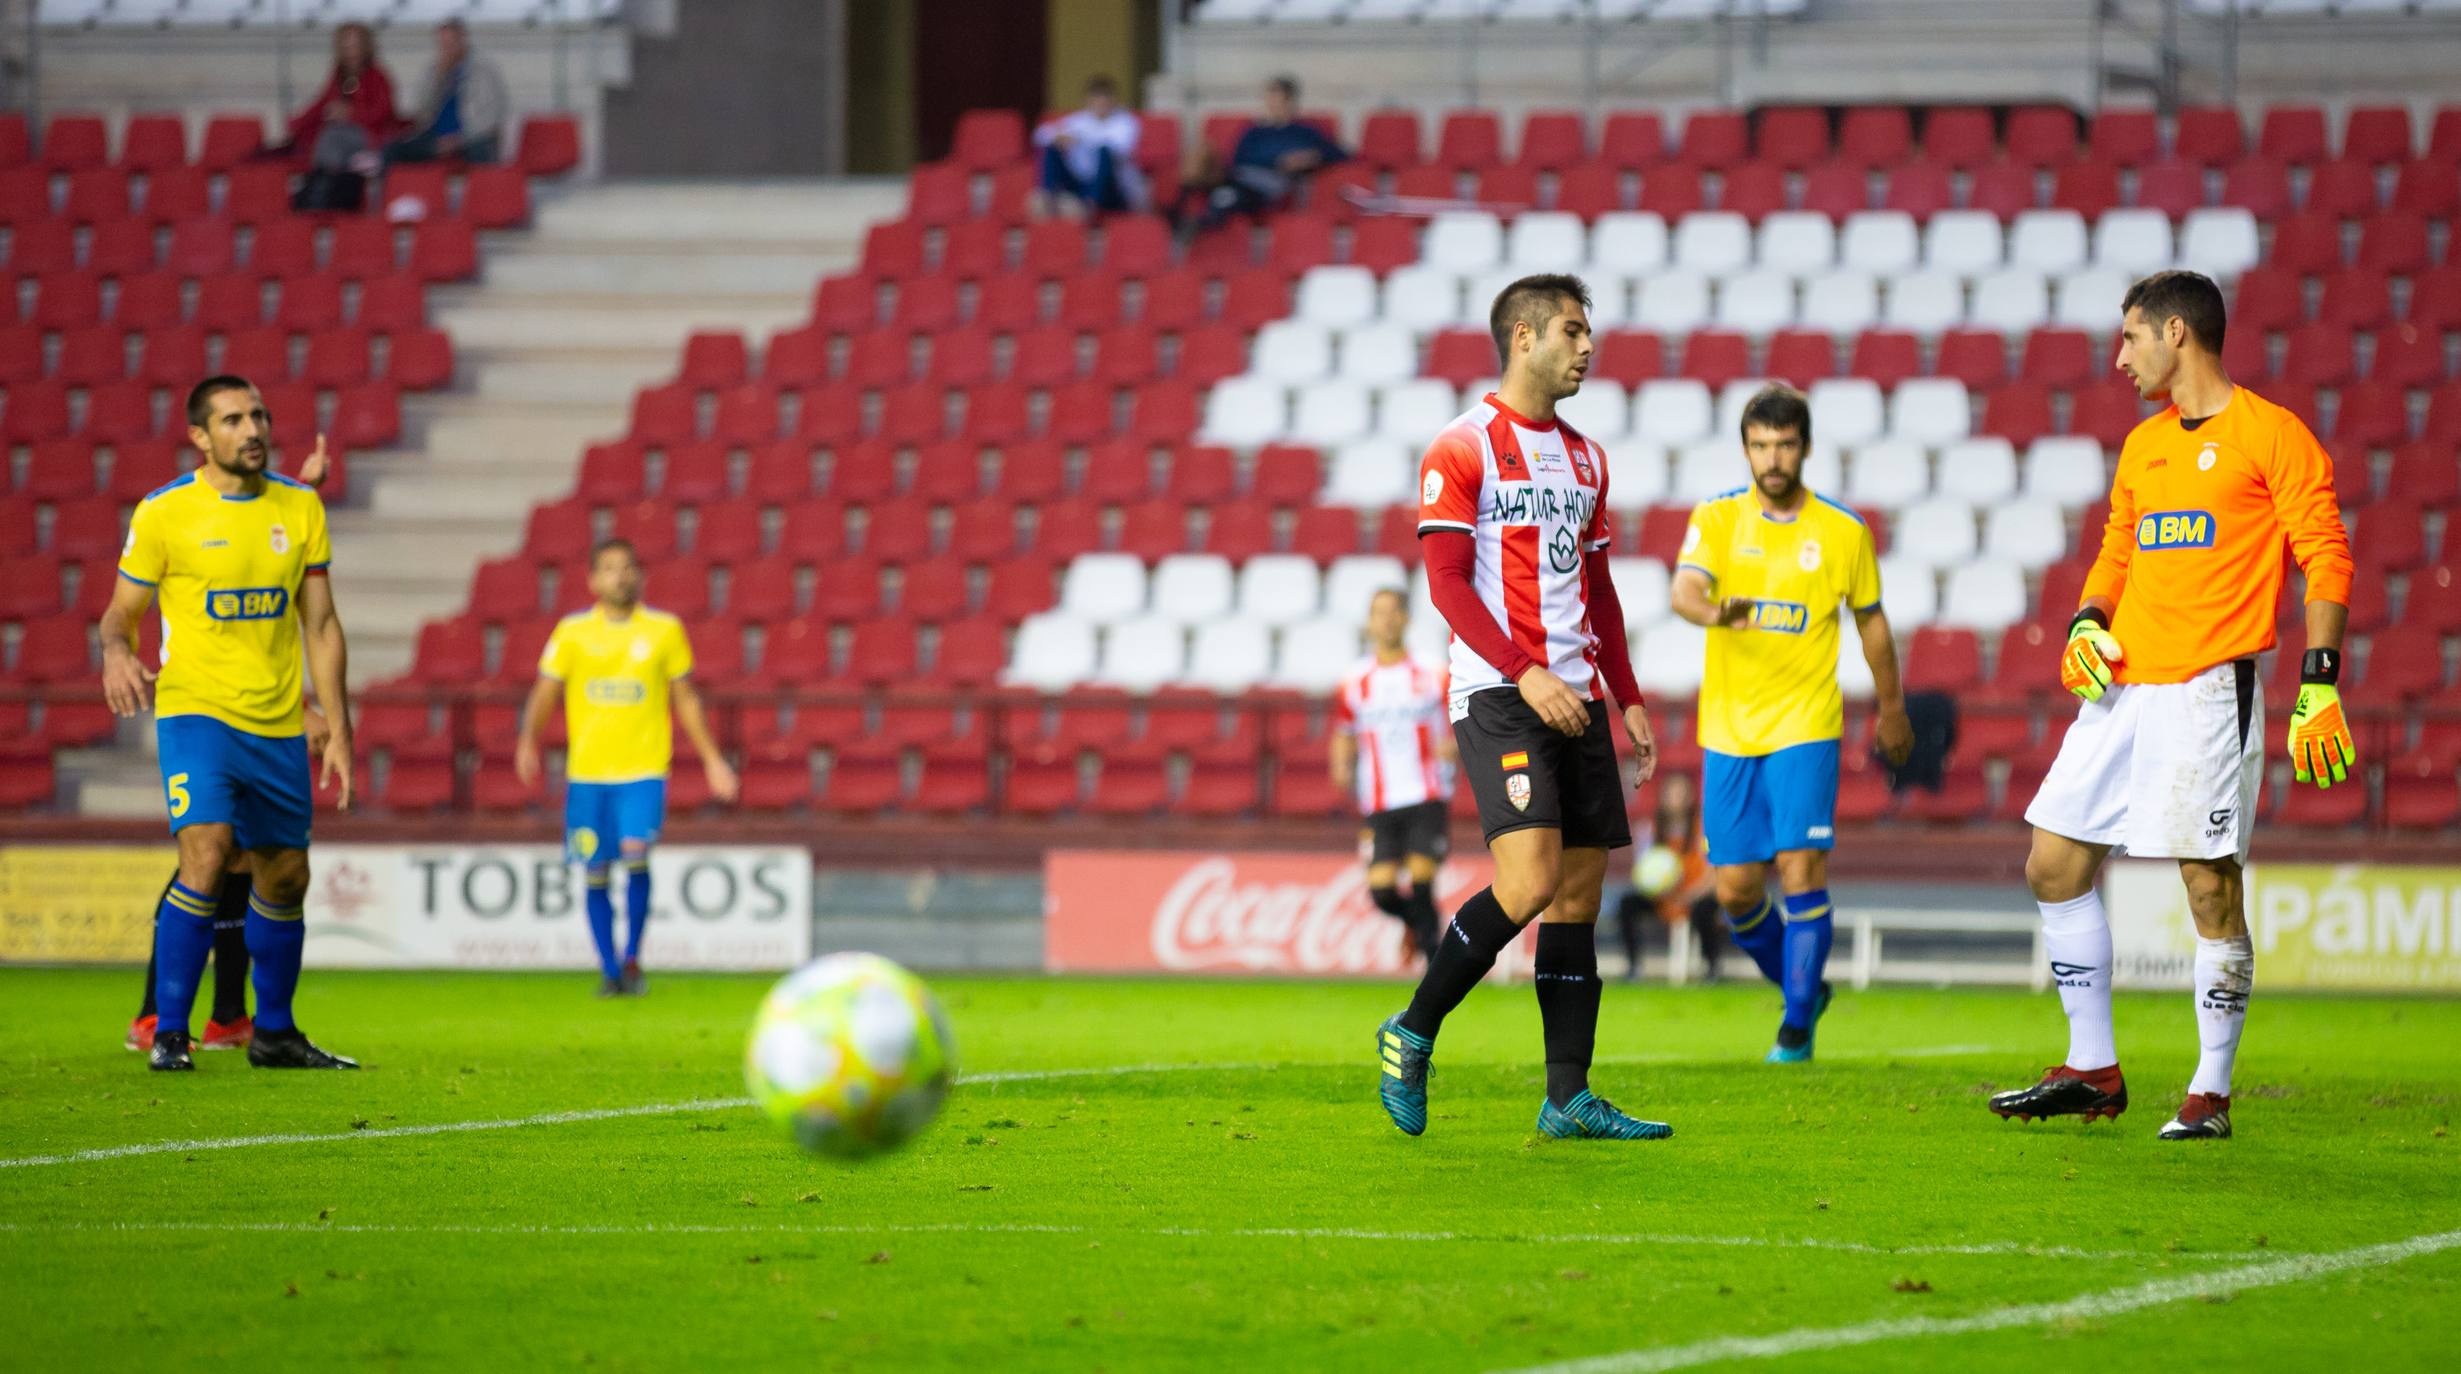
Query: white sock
{"points": [[2077, 937], [2225, 975]]}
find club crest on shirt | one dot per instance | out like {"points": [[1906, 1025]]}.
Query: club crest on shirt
{"points": [[1807, 556], [1517, 791], [640, 650], [1581, 468], [281, 539], [2206, 458]]}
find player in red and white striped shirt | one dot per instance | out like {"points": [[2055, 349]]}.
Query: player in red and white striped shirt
{"points": [[1512, 516], [1391, 744]]}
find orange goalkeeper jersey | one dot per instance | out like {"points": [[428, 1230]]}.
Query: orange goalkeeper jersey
{"points": [[2192, 557]]}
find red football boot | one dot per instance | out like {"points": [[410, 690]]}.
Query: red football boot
{"points": [[228, 1035], [140, 1034]]}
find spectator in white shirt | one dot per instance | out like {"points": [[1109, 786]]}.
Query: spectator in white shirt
{"points": [[1089, 156]]}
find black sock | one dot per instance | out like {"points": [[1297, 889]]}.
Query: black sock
{"points": [[1568, 991], [231, 949], [1388, 901], [1419, 913], [1479, 932], [146, 1007]]}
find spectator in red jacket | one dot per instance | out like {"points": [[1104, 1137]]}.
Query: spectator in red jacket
{"points": [[354, 113]]}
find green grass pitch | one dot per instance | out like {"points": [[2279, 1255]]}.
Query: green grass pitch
{"points": [[1212, 1186]]}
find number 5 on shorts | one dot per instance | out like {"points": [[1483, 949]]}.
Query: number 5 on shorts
{"points": [[175, 787]]}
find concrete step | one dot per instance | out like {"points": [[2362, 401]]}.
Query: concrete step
{"points": [[561, 378], [656, 270], [470, 429], [581, 322], [785, 211]]}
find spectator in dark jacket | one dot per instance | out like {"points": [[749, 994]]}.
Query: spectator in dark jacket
{"points": [[354, 113], [1273, 158], [463, 112]]}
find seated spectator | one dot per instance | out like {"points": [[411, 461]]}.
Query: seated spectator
{"points": [[1647, 919], [463, 113], [353, 114], [1267, 166], [1089, 156]]}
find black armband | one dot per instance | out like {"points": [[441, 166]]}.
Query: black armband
{"points": [[2096, 614], [2320, 667]]}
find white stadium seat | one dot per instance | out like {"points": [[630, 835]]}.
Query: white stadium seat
{"points": [[1313, 655], [2013, 300], [1424, 298], [1909, 592], [1936, 533], [1428, 637], [1329, 414], [2219, 242], [1843, 302], [1191, 588], [1374, 353], [1600, 410], [1229, 655], [1475, 394], [1641, 585], [1545, 241], [1636, 475], [1291, 352], [1610, 303], [1847, 412], [1854, 670], [1245, 411], [1411, 413], [1671, 411], [1353, 578], [1798, 242], [1732, 398], [1713, 242], [1989, 595], [1479, 290], [2089, 300], [2136, 242], [2067, 470], [1053, 650], [1823, 470], [1888, 474], [2048, 241], [1143, 654], [1704, 468], [1466, 242], [1667, 658], [1924, 302], [1627, 243], [1279, 589], [1881, 242], [1671, 302], [1756, 302], [2031, 534], [1980, 470], [1966, 242], [1370, 474], [1337, 296], [1103, 588], [1930, 410]]}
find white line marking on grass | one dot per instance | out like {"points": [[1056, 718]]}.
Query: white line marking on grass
{"points": [[2091, 1306], [1181, 1232]]}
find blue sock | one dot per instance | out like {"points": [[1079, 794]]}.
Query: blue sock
{"points": [[183, 936], [1762, 935], [275, 937], [601, 906], [636, 906], [1808, 933]]}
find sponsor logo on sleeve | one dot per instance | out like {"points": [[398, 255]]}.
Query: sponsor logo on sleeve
{"points": [[1431, 487]]}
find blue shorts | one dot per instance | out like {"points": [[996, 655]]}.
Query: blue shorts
{"points": [[213, 774], [1754, 808], [600, 817]]}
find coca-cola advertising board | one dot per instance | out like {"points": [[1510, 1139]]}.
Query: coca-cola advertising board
{"points": [[1308, 915]]}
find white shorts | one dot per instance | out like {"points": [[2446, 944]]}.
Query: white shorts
{"points": [[2164, 770]]}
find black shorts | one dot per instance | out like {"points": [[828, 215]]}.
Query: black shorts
{"points": [[1525, 773], [1395, 834]]}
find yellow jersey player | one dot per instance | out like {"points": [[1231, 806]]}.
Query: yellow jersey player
{"points": [[237, 556], [2167, 751], [1764, 569], [617, 666]]}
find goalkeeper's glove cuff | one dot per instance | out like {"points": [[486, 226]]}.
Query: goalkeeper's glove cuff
{"points": [[2320, 668], [2093, 615]]}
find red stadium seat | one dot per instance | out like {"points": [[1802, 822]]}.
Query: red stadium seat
{"points": [[2267, 299], [549, 145], [2404, 663], [1286, 475], [1625, 356], [449, 653], [714, 358], [2041, 136], [1211, 354], [988, 139], [2306, 245], [2320, 354], [559, 531], [2019, 412], [496, 198], [72, 142], [120, 248], [2430, 189], [68, 300], [1552, 140], [1671, 192], [1065, 529], [1875, 137], [2345, 190], [1959, 137], [2371, 414], [1976, 357], [338, 358], [2425, 477], [1886, 356], [1470, 141], [2208, 134], [444, 250], [1755, 190], [2417, 799], [92, 355], [747, 415], [2377, 134], [1800, 357], [1589, 190], [2356, 298], [419, 359], [2005, 189], [2259, 186], [34, 411], [1792, 137], [1714, 139], [2105, 412], [230, 139], [1942, 660], [1715, 357], [1633, 140], [1390, 139], [2293, 134], [814, 531], [359, 248], [613, 472], [2124, 138], [665, 415], [2174, 188], [2089, 188], [2394, 243], [1836, 189], [1920, 189]]}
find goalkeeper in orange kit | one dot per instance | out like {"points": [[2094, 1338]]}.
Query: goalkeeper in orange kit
{"points": [[2167, 752]]}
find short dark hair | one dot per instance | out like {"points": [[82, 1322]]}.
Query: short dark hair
{"points": [[1100, 83], [1394, 592], [2189, 297], [1780, 407], [201, 396], [1533, 300], [1288, 85], [607, 546]]}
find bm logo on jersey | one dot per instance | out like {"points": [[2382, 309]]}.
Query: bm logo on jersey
{"points": [[248, 603], [1780, 617], [2175, 529], [614, 691]]}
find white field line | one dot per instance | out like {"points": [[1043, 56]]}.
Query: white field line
{"points": [[2014, 1248], [173, 1147], [2088, 1307]]}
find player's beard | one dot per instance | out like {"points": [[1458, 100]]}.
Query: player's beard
{"points": [[1777, 484], [245, 460]]}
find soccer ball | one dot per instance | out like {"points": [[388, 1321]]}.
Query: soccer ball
{"points": [[1657, 871], [851, 1055]]}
